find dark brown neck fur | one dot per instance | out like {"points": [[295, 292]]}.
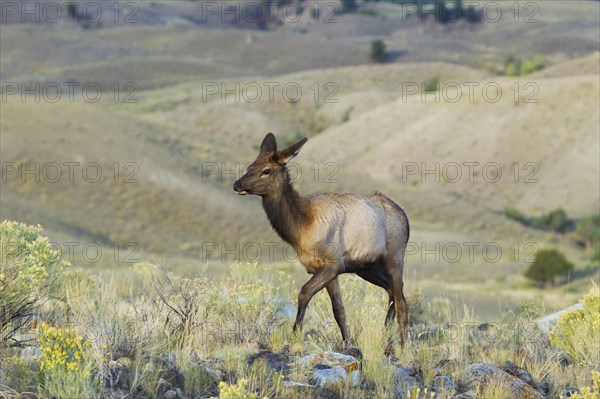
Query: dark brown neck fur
{"points": [[288, 212]]}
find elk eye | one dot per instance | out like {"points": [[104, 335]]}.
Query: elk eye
{"points": [[266, 172]]}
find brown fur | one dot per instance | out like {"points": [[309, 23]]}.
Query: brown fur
{"points": [[332, 233]]}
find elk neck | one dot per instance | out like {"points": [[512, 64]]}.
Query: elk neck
{"points": [[288, 212]]}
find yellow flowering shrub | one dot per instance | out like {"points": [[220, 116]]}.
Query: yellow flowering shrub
{"points": [[592, 392], [236, 391], [577, 331], [28, 268], [60, 348], [65, 363]]}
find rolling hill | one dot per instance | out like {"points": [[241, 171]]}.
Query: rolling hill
{"points": [[164, 143]]}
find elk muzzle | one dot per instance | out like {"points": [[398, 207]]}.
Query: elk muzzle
{"points": [[237, 187]]}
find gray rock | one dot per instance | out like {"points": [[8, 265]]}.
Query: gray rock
{"points": [[466, 395], [330, 377], [569, 391], [546, 323], [216, 374], [117, 375], [354, 352], [286, 311], [355, 378], [276, 361], [172, 377], [301, 385], [31, 353], [430, 333], [479, 375], [332, 359], [404, 379], [439, 367], [170, 394], [320, 367], [544, 388], [442, 382], [162, 387], [518, 372], [169, 360]]}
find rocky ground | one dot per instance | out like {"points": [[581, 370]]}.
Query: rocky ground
{"points": [[327, 374]]}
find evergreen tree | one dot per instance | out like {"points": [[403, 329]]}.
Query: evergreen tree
{"points": [[548, 264]]}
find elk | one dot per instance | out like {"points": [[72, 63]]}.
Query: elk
{"points": [[332, 233]]}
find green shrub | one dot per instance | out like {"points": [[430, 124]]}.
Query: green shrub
{"points": [[378, 51], [588, 229], [515, 66], [547, 265], [18, 374], [556, 220], [533, 64], [512, 66], [577, 331], [29, 268], [515, 214], [346, 115], [432, 85], [348, 5]]}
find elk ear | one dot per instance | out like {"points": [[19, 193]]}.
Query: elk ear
{"points": [[269, 144], [287, 154]]}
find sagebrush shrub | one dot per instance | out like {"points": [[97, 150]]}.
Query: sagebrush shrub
{"points": [[29, 267], [17, 373], [577, 331], [250, 305]]}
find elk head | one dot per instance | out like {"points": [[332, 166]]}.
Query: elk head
{"points": [[267, 174]]}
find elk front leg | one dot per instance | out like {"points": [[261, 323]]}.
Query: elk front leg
{"points": [[317, 282], [339, 313]]}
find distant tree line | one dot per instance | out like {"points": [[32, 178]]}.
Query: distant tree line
{"points": [[443, 11], [556, 220], [586, 229]]}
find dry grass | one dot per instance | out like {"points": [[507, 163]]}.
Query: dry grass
{"points": [[138, 326]]}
